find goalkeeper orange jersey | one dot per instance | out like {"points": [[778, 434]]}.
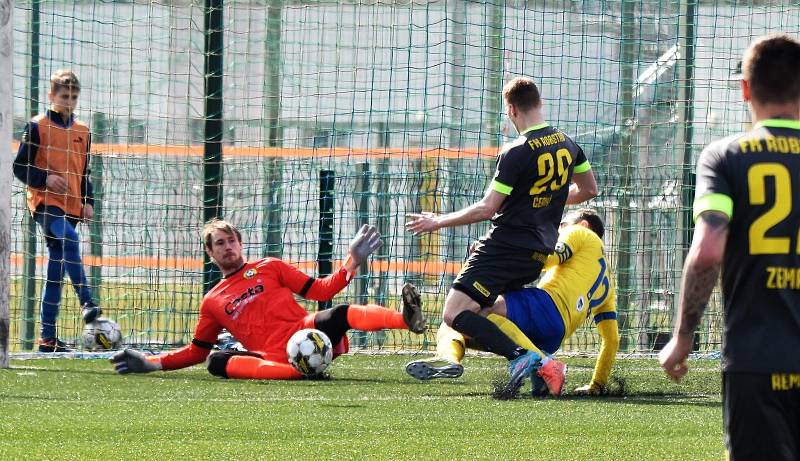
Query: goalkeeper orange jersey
{"points": [[257, 305]]}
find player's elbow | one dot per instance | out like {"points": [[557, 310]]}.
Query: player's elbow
{"points": [[590, 191], [612, 342], [587, 187], [483, 211], [609, 333], [708, 256], [486, 213], [20, 172]]}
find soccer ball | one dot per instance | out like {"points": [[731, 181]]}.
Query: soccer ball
{"points": [[102, 334], [309, 351]]}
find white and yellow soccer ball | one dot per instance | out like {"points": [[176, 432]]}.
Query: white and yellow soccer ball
{"points": [[101, 335], [309, 351]]}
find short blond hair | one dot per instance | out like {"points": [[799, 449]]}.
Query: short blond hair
{"points": [[217, 224], [64, 79]]}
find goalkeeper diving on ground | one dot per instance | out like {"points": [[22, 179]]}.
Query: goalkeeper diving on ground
{"points": [[576, 285], [255, 302]]}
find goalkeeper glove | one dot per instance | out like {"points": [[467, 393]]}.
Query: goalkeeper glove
{"points": [[590, 389], [131, 361], [366, 241]]}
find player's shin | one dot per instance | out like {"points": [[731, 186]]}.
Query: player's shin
{"points": [[487, 334], [371, 317]]}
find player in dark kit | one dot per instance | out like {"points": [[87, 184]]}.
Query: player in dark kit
{"points": [[255, 302], [747, 212], [524, 202]]}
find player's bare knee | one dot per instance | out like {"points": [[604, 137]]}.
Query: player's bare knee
{"points": [[217, 362], [456, 303], [450, 315]]}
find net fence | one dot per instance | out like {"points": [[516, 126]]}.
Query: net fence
{"points": [[398, 101]]}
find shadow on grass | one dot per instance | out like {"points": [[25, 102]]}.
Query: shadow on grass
{"points": [[111, 372], [340, 405], [641, 398]]}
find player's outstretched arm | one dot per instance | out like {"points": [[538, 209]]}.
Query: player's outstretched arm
{"points": [[365, 242], [131, 361], [481, 211]]}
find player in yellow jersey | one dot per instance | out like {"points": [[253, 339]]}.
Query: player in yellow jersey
{"points": [[576, 285]]}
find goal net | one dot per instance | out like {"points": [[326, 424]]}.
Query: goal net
{"points": [[372, 110]]}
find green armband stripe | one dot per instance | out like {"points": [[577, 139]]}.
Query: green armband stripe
{"points": [[502, 188], [534, 127], [780, 123], [583, 167], [713, 202]]}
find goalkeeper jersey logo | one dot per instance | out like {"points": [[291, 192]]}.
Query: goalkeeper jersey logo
{"points": [[234, 308]]}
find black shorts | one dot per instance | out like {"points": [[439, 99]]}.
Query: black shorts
{"points": [[493, 269], [761, 415]]}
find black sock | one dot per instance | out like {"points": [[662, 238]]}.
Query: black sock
{"points": [[333, 322], [487, 334]]}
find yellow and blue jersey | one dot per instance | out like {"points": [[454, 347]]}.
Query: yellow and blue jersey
{"points": [[577, 278], [576, 285]]}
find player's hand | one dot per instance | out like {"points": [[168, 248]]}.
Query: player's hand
{"points": [[673, 357], [472, 247], [366, 241], [422, 222], [131, 361], [590, 389], [56, 183], [87, 212]]}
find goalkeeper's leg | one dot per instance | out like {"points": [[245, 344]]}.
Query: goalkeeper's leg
{"points": [[336, 321], [249, 365]]}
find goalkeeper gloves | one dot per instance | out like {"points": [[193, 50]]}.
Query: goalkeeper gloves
{"points": [[366, 241], [131, 361], [590, 389]]}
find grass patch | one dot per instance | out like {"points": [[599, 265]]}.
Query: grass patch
{"points": [[80, 409]]}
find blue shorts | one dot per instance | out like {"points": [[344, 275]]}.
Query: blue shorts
{"points": [[535, 313]]}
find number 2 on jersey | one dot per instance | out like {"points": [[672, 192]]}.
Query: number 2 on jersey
{"points": [[550, 168], [756, 183]]}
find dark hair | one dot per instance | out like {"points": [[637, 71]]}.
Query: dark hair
{"points": [[771, 66], [522, 93], [216, 224], [64, 79], [590, 216]]}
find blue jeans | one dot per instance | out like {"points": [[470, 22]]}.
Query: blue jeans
{"points": [[63, 252]]}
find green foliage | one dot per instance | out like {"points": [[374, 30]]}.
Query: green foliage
{"points": [[79, 409]]}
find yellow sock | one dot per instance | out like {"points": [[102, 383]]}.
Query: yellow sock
{"points": [[512, 331], [449, 344]]}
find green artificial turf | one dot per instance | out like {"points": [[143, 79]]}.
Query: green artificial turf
{"points": [[80, 409]]}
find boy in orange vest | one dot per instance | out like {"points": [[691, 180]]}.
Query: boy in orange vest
{"points": [[53, 161]]}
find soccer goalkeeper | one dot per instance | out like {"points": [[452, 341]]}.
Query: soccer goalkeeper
{"points": [[576, 285], [255, 302]]}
